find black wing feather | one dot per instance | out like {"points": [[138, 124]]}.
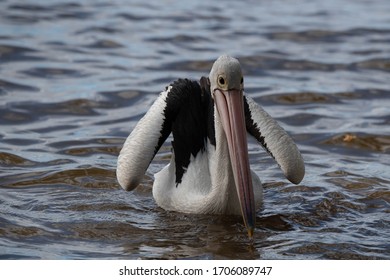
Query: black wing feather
{"points": [[186, 116]]}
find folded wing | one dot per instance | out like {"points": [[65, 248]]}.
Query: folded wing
{"points": [[275, 140], [142, 145]]}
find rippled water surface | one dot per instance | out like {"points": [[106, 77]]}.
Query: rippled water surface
{"points": [[76, 76]]}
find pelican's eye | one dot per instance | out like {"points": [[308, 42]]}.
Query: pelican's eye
{"points": [[221, 80], [242, 80]]}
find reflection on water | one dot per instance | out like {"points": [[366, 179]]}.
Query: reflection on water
{"points": [[76, 77]]}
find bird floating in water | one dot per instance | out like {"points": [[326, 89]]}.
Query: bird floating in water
{"points": [[209, 170]]}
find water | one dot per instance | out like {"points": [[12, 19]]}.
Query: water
{"points": [[76, 77]]}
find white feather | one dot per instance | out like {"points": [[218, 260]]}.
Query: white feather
{"points": [[139, 147], [279, 143]]}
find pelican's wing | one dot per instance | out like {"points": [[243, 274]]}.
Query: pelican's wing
{"points": [[275, 140], [142, 144], [175, 110]]}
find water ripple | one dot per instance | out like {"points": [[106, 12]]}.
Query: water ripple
{"points": [[76, 78]]}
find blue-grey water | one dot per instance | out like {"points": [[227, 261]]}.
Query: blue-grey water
{"points": [[76, 76]]}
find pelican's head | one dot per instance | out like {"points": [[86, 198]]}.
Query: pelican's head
{"points": [[226, 86], [226, 74]]}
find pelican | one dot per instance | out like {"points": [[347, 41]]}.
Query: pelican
{"points": [[209, 170]]}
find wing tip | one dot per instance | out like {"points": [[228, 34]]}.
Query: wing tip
{"points": [[296, 171], [126, 183], [296, 177], [124, 176]]}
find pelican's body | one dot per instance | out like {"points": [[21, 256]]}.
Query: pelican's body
{"points": [[209, 169], [207, 184]]}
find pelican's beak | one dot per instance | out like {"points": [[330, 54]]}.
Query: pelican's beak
{"points": [[230, 106]]}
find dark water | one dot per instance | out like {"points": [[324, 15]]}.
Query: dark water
{"points": [[75, 77]]}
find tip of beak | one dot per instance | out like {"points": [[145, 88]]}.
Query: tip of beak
{"points": [[250, 232]]}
